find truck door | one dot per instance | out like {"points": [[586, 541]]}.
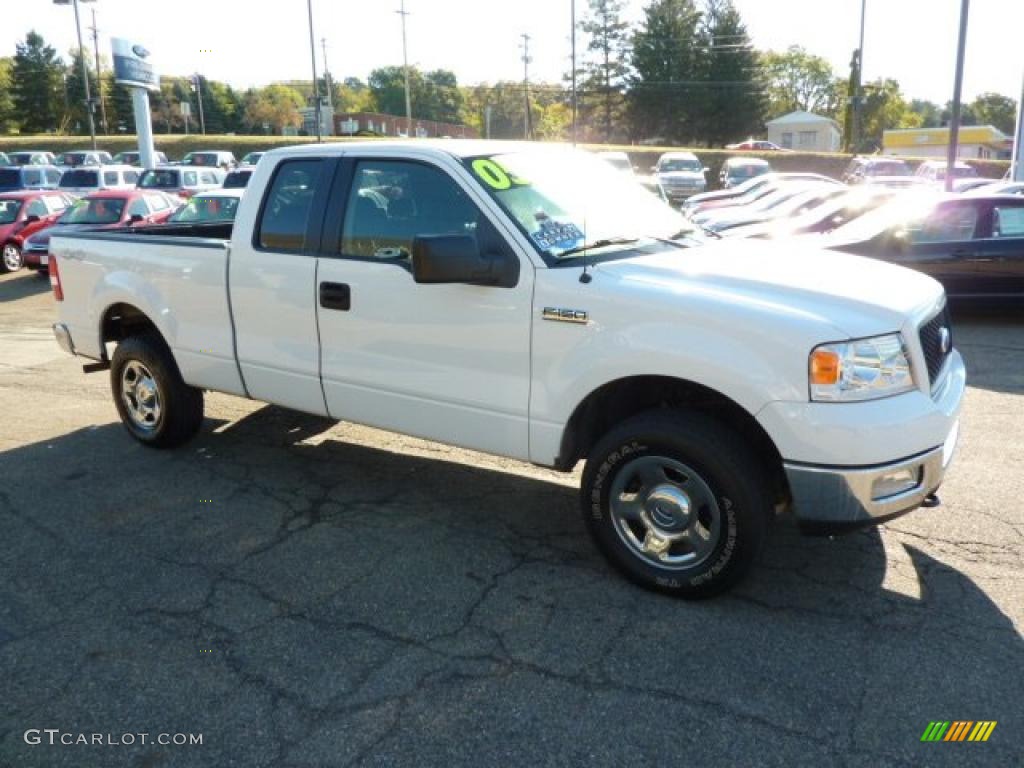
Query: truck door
{"points": [[449, 362], [273, 287]]}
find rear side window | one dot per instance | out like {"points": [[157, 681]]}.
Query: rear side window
{"points": [[37, 208], [158, 202], [191, 178], [52, 177], [208, 178], [951, 223], [130, 177], [110, 178], [79, 179], [56, 203], [138, 208], [33, 178], [285, 217], [1007, 221]]}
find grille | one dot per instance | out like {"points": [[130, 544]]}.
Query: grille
{"points": [[931, 343]]}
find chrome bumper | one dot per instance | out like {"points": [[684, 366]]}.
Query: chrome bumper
{"points": [[850, 496], [63, 335]]}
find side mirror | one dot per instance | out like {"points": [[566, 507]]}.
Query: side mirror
{"points": [[31, 218], [458, 259], [135, 218]]}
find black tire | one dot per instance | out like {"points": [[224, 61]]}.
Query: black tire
{"points": [[179, 406], [724, 490]]}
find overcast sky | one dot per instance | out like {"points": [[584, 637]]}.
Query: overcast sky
{"points": [[253, 42]]}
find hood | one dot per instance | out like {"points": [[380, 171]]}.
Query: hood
{"points": [[856, 296]]}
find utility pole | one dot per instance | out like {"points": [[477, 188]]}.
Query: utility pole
{"points": [[327, 76], [197, 86], [405, 63], [958, 81], [316, 87], [858, 95], [572, 11], [527, 117], [85, 76], [1017, 167], [99, 78]]}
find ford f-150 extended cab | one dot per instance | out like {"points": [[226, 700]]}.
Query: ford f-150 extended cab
{"points": [[525, 300]]}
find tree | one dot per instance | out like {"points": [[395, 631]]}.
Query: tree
{"points": [[434, 95], [7, 113], [799, 81], [276, 106], [995, 109], [37, 84], [120, 111], [604, 69], [928, 112], [884, 108], [734, 98], [667, 66], [75, 115]]}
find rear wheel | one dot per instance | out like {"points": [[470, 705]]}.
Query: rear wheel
{"points": [[156, 406], [12, 260], [677, 502]]}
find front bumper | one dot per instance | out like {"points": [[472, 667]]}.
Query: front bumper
{"points": [[838, 497]]}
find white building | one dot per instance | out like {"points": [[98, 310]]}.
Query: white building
{"points": [[805, 132]]}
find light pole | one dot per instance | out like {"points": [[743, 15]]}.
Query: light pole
{"points": [[572, 11], [958, 81], [197, 86], [858, 96], [405, 60], [316, 87], [99, 79], [1017, 167], [85, 69]]}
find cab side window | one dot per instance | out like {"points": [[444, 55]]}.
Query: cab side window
{"points": [[950, 223], [190, 178], [392, 202], [37, 208], [286, 207]]}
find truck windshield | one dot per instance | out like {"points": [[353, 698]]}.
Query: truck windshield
{"points": [[9, 210], [563, 198], [159, 180], [95, 211], [680, 164]]}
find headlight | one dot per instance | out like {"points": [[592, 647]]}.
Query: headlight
{"points": [[860, 370]]}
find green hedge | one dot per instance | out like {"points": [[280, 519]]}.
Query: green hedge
{"points": [[176, 146]]}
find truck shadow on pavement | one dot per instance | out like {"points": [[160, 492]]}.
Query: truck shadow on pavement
{"points": [[21, 285], [324, 604]]}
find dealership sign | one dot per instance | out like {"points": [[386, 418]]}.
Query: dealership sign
{"points": [[132, 66]]}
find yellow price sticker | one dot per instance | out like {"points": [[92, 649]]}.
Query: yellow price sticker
{"points": [[494, 176]]}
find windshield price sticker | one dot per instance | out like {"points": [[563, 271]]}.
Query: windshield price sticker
{"points": [[554, 234], [494, 176]]}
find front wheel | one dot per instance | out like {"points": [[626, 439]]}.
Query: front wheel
{"points": [[677, 502], [12, 259], [156, 406]]}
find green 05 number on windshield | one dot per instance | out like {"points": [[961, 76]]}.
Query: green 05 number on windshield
{"points": [[494, 176]]}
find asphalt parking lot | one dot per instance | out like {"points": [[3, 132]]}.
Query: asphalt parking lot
{"points": [[309, 594]]}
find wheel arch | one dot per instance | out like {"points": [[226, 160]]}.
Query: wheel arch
{"points": [[620, 399], [121, 320]]}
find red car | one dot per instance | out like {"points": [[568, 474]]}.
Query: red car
{"points": [[107, 209], [23, 214]]}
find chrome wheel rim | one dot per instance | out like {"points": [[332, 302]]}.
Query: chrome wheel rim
{"points": [[12, 258], [665, 513], [141, 396]]}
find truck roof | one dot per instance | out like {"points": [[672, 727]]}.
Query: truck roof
{"points": [[455, 147]]}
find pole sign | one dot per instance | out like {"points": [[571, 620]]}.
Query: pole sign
{"points": [[132, 66]]}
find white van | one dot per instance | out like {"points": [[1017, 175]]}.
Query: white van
{"points": [[85, 181]]}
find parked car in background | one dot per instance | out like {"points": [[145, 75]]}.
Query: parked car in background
{"points": [[681, 175], [135, 158], [788, 200], [211, 159], [935, 170], [999, 188], [84, 158], [618, 160], [757, 145], [831, 214], [84, 181], [23, 214], [238, 178], [29, 177], [213, 205], [727, 196], [251, 158], [181, 180], [736, 170], [863, 168], [4, 160], [960, 186], [973, 245], [101, 210], [32, 157], [893, 182]]}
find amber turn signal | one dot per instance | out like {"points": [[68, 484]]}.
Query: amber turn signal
{"points": [[824, 367]]}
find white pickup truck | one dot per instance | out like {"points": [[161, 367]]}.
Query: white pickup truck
{"points": [[526, 300]]}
